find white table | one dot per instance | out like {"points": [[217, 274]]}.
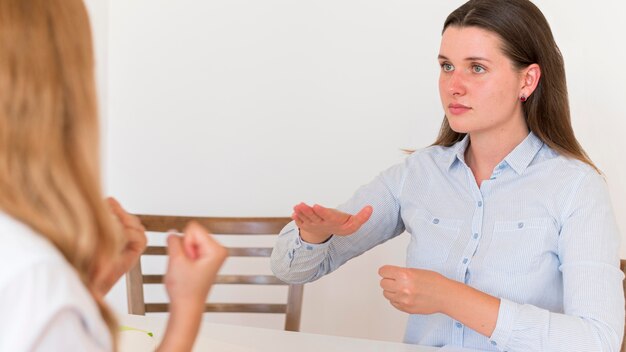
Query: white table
{"points": [[233, 338]]}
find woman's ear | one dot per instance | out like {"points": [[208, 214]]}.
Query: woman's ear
{"points": [[530, 79]]}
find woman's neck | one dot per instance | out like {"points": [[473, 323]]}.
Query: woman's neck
{"points": [[486, 150]]}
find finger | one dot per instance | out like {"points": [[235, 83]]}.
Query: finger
{"points": [[398, 306], [391, 296], [204, 244], [305, 219], [302, 210], [357, 220], [388, 285], [125, 218], [297, 219], [330, 214], [300, 207], [364, 214], [191, 237], [174, 246], [389, 271], [309, 213]]}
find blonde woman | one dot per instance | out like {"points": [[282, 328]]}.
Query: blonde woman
{"points": [[61, 246]]}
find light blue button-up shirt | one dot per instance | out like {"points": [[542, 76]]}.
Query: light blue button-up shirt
{"points": [[539, 234]]}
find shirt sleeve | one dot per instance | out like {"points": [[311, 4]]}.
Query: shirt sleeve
{"points": [[296, 261], [66, 332], [593, 295]]}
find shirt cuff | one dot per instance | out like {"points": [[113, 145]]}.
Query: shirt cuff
{"points": [[507, 315], [311, 246]]}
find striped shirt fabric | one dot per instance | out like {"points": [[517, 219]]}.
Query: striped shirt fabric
{"points": [[540, 235]]}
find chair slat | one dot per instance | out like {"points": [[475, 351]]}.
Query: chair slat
{"points": [[216, 225], [249, 252], [226, 308], [232, 251], [227, 280]]}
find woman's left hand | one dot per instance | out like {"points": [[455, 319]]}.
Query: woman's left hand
{"points": [[413, 291], [135, 244]]}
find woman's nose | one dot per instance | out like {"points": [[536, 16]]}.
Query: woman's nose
{"points": [[456, 85]]}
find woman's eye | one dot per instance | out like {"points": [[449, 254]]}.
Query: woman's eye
{"points": [[478, 69], [447, 67]]}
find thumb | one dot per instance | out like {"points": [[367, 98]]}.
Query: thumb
{"points": [[175, 246], [355, 221], [364, 214]]}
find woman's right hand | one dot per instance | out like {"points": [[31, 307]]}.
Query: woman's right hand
{"points": [[194, 260], [318, 223]]}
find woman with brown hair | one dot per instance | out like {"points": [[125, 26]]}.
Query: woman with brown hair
{"points": [[62, 247], [514, 246]]}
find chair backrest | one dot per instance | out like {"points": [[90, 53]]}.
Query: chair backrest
{"points": [[135, 279], [623, 267]]}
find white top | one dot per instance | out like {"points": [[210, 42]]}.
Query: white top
{"points": [[44, 305]]}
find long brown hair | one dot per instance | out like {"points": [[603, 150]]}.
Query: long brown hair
{"points": [[527, 39], [49, 157]]}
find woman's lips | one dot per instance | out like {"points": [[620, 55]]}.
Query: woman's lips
{"points": [[458, 109]]}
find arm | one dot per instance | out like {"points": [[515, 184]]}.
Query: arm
{"points": [[593, 296], [298, 255], [593, 318], [417, 291], [194, 261]]}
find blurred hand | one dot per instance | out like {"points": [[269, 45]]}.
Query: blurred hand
{"points": [[318, 223], [413, 291], [194, 260], [135, 244]]}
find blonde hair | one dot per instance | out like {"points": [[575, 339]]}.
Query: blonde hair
{"points": [[49, 156]]}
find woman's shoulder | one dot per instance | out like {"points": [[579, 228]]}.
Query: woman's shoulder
{"points": [[434, 154], [559, 165], [23, 247], [39, 284], [32, 257]]}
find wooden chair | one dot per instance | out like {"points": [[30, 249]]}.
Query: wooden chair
{"points": [[623, 267], [135, 279]]}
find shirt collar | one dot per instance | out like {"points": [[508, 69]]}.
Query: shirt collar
{"points": [[518, 159], [457, 151]]}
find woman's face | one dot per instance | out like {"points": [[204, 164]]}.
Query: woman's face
{"points": [[478, 85]]}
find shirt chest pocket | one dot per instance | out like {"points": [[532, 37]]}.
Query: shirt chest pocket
{"points": [[517, 247], [432, 238]]}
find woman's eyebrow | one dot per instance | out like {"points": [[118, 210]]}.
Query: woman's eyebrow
{"points": [[471, 58]]}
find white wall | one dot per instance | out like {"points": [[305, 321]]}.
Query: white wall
{"points": [[248, 107]]}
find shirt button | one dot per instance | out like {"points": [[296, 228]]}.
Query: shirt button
{"points": [[480, 203], [493, 343], [435, 221], [464, 260], [475, 236], [459, 325], [520, 225], [309, 247]]}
